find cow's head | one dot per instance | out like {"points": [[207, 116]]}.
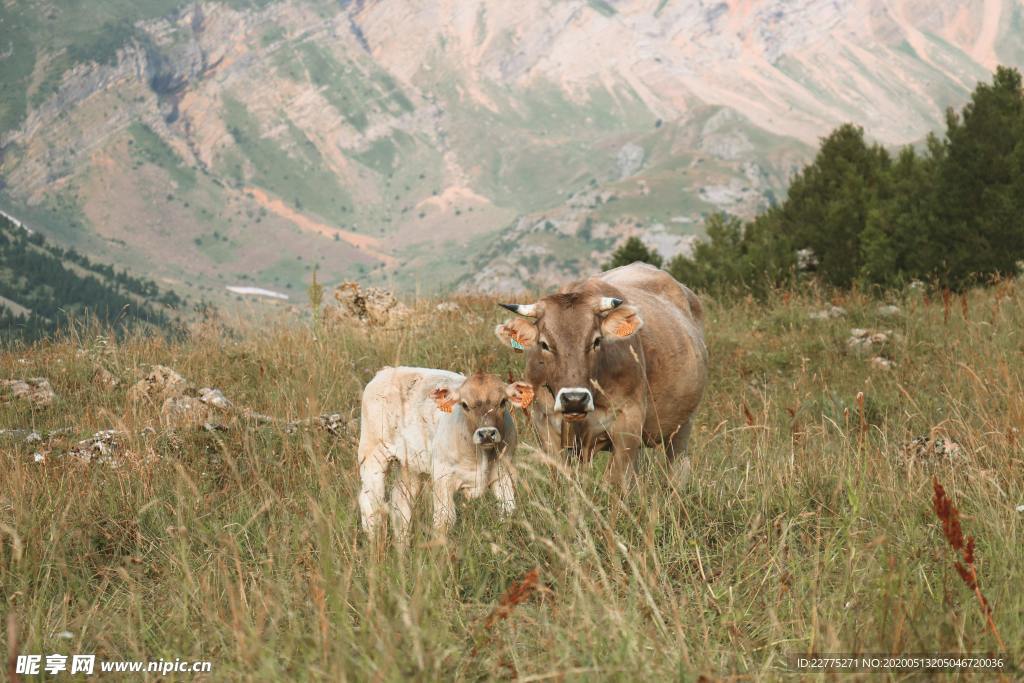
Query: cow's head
{"points": [[572, 344], [483, 401]]}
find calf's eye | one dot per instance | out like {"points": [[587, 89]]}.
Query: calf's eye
{"points": [[597, 343], [544, 346], [465, 406]]}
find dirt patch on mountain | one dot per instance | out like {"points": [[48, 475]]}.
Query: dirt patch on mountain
{"points": [[368, 244]]}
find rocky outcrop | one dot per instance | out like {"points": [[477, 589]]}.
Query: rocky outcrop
{"points": [[35, 391], [160, 383], [366, 306]]}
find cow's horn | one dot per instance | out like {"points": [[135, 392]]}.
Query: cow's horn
{"points": [[608, 303], [527, 310]]}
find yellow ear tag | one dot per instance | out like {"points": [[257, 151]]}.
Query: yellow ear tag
{"points": [[625, 328]]}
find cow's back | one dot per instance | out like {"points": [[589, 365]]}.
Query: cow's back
{"points": [[644, 278]]}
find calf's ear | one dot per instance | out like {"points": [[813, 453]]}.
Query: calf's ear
{"points": [[520, 393], [622, 321], [519, 333], [445, 397]]}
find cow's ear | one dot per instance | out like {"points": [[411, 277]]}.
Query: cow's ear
{"points": [[445, 397], [520, 393], [519, 333], [622, 321]]}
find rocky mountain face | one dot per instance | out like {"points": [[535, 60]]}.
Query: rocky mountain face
{"points": [[478, 144]]}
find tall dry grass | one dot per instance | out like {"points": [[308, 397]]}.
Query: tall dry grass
{"points": [[806, 527]]}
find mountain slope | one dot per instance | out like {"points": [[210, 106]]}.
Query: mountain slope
{"points": [[432, 143]]}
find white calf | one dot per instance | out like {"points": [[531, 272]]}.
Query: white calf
{"points": [[454, 430]]}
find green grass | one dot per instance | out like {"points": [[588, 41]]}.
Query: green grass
{"points": [[149, 147], [347, 95], [383, 152], [17, 67], [803, 528], [603, 7], [300, 178]]}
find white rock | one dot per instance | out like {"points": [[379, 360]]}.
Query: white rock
{"points": [[827, 313], [215, 398], [882, 363], [35, 390]]}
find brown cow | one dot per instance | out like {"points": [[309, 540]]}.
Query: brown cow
{"points": [[620, 358]]}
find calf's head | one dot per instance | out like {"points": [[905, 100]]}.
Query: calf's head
{"points": [[571, 341], [483, 401]]}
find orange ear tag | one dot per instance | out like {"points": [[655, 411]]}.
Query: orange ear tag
{"points": [[527, 398], [446, 406], [625, 328], [517, 342]]}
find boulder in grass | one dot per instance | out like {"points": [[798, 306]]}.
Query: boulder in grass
{"points": [[932, 449], [187, 412], [215, 398], [864, 340], [35, 391], [448, 307], [828, 313], [159, 383], [101, 447], [370, 306], [882, 363], [105, 379]]}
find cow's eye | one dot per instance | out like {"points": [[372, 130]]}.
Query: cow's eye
{"points": [[544, 346], [465, 406], [597, 343]]}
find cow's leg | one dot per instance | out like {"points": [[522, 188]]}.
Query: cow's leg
{"points": [[626, 436], [403, 497], [373, 471], [503, 488], [678, 451], [444, 506]]}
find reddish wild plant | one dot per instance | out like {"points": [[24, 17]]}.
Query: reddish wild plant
{"points": [[950, 518], [514, 595]]}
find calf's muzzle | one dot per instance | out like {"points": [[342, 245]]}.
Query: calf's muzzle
{"points": [[486, 436]]}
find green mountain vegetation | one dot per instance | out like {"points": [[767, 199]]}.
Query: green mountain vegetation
{"points": [[951, 214], [44, 287]]}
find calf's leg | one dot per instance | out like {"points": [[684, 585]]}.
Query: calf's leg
{"points": [[503, 488], [373, 470], [403, 496], [444, 507]]}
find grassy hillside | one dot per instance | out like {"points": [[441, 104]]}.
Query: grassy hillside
{"points": [[43, 287], [806, 526]]}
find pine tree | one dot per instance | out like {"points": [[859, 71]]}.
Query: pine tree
{"points": [[829, 202], [632, 251], [978, 227]]}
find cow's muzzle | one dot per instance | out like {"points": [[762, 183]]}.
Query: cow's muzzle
{"points": [[574, 403], [486, 436]]}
